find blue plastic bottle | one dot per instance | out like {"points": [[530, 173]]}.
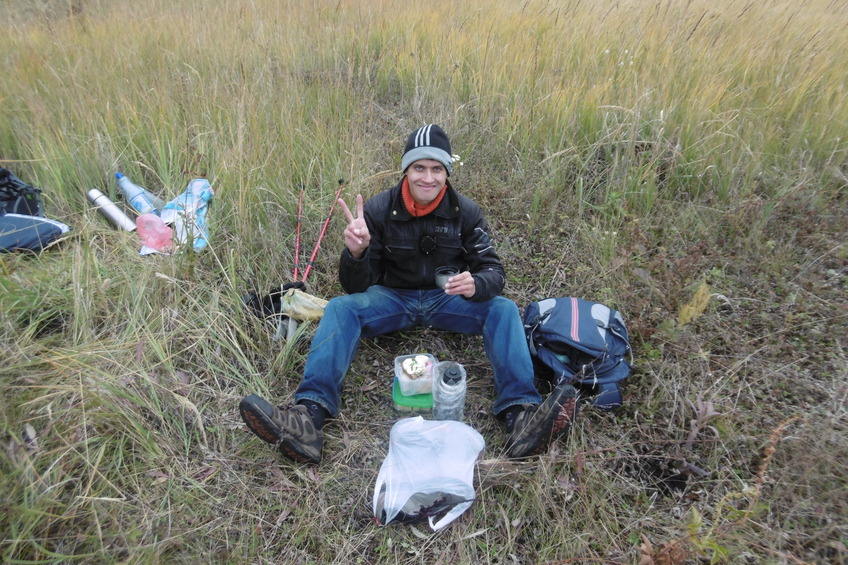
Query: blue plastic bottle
{"points": [[139, 198]]}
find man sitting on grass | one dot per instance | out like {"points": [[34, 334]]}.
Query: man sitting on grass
{"points": [[392, 248]]}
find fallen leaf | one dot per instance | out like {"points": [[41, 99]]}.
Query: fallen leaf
{"points": [[578, 461], [183, 390], [281, 482], [647, 551], [370, 386], [283, 515], [204, 473], [671, 554], [313, 474], [418, 533], [695, 307]]}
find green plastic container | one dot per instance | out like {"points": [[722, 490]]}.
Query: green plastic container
{"points": [[413, 403]]}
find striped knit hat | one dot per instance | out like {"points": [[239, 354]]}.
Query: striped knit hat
{"points": [[428, 142]]}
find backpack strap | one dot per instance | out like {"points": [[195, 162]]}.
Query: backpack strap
{"points": [[530, 330], [621, 335]]}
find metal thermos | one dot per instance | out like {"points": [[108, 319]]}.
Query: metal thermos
{"points": [[110, 210]]}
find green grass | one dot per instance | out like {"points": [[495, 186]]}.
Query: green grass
{"points": [[624, 152]]}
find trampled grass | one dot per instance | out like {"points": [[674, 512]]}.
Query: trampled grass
{"points": [[627, 152]]}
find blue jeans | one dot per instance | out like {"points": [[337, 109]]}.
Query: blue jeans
{"points": [[381, 310]]}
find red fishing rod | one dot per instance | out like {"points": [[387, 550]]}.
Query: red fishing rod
{"points": [[323, 231], [297, 237]]}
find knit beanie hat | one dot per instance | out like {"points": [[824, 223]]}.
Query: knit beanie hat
{"points": [[428, 142]]}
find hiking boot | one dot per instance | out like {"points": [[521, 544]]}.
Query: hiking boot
{"points": [[537, 426], [290, 429]]}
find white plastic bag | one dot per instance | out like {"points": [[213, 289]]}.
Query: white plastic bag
{"points": [[428, 471]]}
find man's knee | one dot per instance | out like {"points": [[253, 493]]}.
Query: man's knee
{"points": [[502, 306], [345, 303]]}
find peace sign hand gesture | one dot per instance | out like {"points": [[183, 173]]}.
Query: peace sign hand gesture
{"points": [[356, 234]]}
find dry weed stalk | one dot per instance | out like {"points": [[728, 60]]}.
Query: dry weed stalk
{"points": [[768, 454]]}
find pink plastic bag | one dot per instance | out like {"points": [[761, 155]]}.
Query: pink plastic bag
{"points": [[155, 234]]}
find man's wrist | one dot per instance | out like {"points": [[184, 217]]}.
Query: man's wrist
{"points": [[353, 255]]}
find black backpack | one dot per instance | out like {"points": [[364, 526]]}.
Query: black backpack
{"points": [[581, 342], [18, 197]]}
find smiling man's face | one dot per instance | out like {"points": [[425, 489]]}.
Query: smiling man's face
{"points": [[426, 178]]}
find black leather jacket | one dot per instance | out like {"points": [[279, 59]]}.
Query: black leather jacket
{"points": [[405, 251]]}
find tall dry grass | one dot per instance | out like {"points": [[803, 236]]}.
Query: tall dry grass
{"points": [[625, 152]]}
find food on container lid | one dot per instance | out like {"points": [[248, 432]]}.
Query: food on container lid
{"points": [[417, 366]]}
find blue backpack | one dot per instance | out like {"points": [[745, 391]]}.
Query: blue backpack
{"points": [[582, 342]]}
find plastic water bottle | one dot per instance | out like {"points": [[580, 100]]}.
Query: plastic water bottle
{"points": [[110, 210], [449, 384], [141, 199]]}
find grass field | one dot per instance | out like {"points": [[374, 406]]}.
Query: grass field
{"points": [[684, 162]]}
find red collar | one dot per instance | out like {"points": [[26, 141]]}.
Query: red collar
{"points": [[413, 207]]}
